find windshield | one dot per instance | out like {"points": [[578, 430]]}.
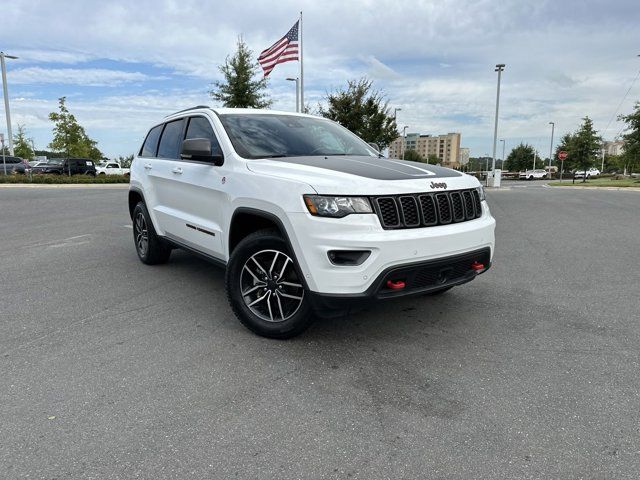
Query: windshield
{"points": [[56, 161], [270, 136]]}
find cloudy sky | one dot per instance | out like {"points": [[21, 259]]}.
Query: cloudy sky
{"points": [[123, 65]]}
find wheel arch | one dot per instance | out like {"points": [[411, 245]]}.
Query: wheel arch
{"points": [[246, 220], [135, 196], [262, 220]]}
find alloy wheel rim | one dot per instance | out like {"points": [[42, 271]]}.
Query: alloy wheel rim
{"points": [[141, 234], [270, 286]]}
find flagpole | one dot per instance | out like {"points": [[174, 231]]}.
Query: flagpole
{"points": [[301, 68]]}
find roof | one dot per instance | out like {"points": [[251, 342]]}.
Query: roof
{"points": [[244, 111]]}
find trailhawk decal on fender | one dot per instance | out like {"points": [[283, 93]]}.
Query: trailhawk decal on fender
{"points": [[371, 167]]}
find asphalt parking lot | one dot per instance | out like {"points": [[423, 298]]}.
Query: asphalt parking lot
{"points": [[113, 369]]}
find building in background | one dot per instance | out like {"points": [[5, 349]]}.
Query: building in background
{"points": [[616, 147], [464, 156], [446, 148]]}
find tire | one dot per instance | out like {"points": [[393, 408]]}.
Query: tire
{"points": [[439, 292], [151, 249], [257, 268], [102, 173]]}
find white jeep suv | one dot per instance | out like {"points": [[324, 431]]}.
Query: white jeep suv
{"points": [[305, 216]]}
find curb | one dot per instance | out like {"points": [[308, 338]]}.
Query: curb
{"points": [[65, 185], [611, 189]]}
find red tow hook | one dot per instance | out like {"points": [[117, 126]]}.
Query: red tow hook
{"points": [[477, 266], [397, 285]]}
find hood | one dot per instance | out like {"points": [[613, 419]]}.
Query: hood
{"points": [[359, 175]]}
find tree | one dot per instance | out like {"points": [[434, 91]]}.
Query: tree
{"points": [[565, 146], [584, 146], [521, 158], [631, 156], [432, 158], [21, 144], [363, 111], [125, 162], [240, 89], [69, 137], [413, 155]]}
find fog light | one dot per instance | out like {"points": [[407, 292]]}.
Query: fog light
{"points": [[348, 257]]}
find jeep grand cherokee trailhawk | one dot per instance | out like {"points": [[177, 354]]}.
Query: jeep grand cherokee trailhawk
{"points": [[307, 218]]}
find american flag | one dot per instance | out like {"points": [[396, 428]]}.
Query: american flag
{"points": [[284, 50]]}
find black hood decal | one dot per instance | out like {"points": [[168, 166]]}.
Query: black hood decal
{"points": [[375, 168]]}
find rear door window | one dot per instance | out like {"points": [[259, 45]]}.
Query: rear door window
{"points": [[151, 143], [171, 140]]}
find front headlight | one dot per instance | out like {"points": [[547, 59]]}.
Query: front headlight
{"points": [[481, 193], [337, 207]]}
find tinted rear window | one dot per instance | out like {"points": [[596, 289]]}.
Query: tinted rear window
{"points": [[171, 140], [151, 143]]}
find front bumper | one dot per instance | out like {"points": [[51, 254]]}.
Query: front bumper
{"points": [[417, 278], [316, 236]]}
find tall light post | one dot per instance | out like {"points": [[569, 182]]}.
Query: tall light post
{"points": [[553, 127], [6, 97], [395, 113], [503, 143], [499, 69], [297, 80], [404, 140]]}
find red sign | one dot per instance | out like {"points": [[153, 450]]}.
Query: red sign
{"points": [[562, 155]]}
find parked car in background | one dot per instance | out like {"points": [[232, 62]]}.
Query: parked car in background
{"points": [[75, 166], [533, 174], [592, 172], [53, 165], [111, 168], [13, 165]]}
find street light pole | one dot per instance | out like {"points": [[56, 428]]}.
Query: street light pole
{"points": [[395, 113], [297, 80], [499, 69], [6, 97], [553, 127], [404, 141]]}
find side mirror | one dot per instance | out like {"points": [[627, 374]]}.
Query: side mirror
{"points": [[374, 146], [200, 149]]}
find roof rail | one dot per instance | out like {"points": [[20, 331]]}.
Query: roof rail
{"points": [[187, 109]]}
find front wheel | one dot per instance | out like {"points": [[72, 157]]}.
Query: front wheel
{"points": [[265, 288]]}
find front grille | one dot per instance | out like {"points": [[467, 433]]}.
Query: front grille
{"points": [[388, 211], [409, 208], [427, 209]]}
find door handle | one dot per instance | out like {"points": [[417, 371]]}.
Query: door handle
{"points": [[147, 166], [177, 170]]}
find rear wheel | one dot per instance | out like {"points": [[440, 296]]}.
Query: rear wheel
{"points": [[151, 249], [265, 288]]}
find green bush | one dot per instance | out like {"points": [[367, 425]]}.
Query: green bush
{"points": [[63, 179]]}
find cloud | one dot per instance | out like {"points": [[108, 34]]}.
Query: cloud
{"points": [[433, 59], [93, 77]]}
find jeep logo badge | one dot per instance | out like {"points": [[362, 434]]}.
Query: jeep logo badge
{"points": [[438, 185]]}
